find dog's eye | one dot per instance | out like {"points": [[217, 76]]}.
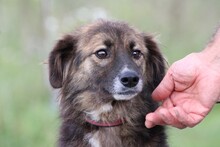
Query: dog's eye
{"points": [[102, 54], [136, 54]]}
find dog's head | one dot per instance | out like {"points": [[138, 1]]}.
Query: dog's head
{"points": [[108, 58]]}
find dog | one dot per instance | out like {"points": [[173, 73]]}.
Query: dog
{"points": [[106, 72]]}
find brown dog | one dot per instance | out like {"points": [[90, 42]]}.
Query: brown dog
{"points": [[106, 72]]}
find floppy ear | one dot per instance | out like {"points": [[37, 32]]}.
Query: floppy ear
{"points": [[155, 61], [58, 59]]}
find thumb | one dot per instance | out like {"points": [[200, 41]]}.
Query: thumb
{"points": [[165, 88]]}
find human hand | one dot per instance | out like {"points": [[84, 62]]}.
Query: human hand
{"points": [[188, 92]]}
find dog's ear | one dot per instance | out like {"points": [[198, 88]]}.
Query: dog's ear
{"points": [[60, 55], [155, 61]]}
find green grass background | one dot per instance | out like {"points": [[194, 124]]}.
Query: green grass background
{"points": [[29, 29]]}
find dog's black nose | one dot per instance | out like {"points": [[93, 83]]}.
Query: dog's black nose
{"points": [[129, 79]]}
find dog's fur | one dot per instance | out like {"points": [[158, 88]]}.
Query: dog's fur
{"points": [[87, 66]]}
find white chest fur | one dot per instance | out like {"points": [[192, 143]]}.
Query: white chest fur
{"points": [[95, 114], [93, 139]]}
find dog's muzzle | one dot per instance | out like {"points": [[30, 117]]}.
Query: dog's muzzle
{"points": [[129, 79], [127, 85]]}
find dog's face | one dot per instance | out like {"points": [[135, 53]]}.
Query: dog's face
{"points": [[110, 59]]}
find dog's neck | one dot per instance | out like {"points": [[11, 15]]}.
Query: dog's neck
{"points": [[105, 124]]}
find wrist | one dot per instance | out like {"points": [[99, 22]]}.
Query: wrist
{"points": [[211, 59], [212, 51], [211, 54]]}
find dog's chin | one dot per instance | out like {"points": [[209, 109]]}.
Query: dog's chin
{"points": [[124, 96]]}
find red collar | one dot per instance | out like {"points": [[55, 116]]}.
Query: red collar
{"points": [[105, 124]]}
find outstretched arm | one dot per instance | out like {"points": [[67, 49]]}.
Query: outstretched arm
{"points": [[190, 89]]}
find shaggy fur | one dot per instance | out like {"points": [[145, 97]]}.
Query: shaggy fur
{"points": [[85, 65]]}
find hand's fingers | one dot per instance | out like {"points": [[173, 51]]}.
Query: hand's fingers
{"points": [[167, 103], [165, 88], [149, 121], [163, 116], [188, 119], [169, 119], [153, 119]]}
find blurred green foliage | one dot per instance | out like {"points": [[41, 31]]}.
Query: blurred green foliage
{"points": [[29, 29]]}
